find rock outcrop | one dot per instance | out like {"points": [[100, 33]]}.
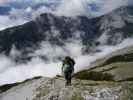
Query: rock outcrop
{"points": [[54, 89]]}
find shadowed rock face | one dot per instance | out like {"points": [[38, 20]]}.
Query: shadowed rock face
{"points": [[43, 29], [26, 38]]}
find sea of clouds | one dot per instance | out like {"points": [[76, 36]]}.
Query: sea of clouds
{"points": [[11, 72]]}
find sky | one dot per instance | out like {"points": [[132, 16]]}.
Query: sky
{"points": [[27, 12], [23, 11]]}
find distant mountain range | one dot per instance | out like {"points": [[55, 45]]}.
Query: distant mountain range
{"points": [[109, 29]]}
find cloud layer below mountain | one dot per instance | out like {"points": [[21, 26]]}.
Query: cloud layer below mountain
{"points": [[11, 72]]}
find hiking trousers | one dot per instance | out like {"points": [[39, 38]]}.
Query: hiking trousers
{"points": [[68, 77]]}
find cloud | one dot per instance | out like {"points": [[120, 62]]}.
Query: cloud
{"points": [[75, 7], [3, 1], [78, 7], [90, 8], [11, 72], [6, 22], [109, 5], [15, 17]]}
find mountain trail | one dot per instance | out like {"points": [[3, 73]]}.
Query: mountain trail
{"points": [[54, 89]]}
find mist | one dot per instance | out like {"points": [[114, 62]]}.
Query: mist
{"points": [[90, 8], [12, 72]]}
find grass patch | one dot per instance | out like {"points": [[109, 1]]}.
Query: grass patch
{"points": [[115, 59], [109, 69], [93, 75], [127, 79], [120, 58]]}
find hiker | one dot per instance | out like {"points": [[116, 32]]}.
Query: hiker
{"points": [[68, 69]]}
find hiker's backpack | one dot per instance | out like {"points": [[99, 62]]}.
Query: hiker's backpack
{"points": [[68, 65], [66, 68]]}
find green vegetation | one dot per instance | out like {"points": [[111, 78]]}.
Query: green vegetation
{"points": [[7, 86], [93, 75], [122, 71], [130, 34], [117, 66], [115, 59], [120, 58]]}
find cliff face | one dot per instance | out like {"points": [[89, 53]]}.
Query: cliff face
{"points": [[54, 89]]}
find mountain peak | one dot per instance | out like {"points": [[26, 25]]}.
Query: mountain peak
{"points": [[110, 29]]}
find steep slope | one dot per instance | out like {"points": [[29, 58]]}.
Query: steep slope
{"points": [[119, 64], [116, 25], [47, 27], [109, 29]]}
